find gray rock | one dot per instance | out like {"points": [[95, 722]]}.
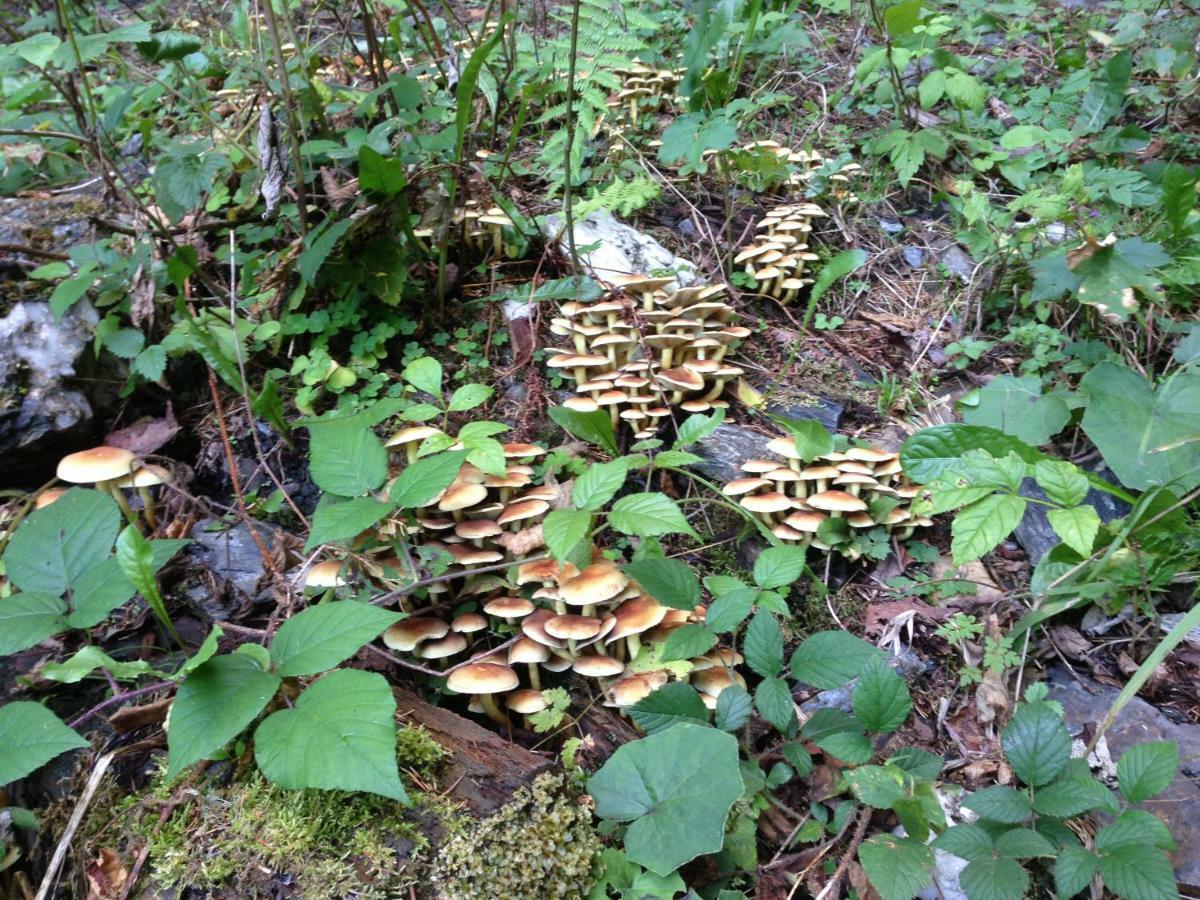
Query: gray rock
{"points": [[622, 250], [1179, 805], [914, 256], [729, 446], [1034, 533], [957, 263], [890, 226], [39, 411], [231, 559]]}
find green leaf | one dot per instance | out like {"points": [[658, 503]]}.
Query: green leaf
{"points": [[980, 527], [687, 642], [29, 618], [598, 484], [901, 18], [595, 426], [151, 362], [1062, 482], [339, 519], [828, 659], [728, 610], [1179, 196], [36, 49], [763, 645], [341, 735], [1076, 527], [184, 175], [877, 786], [318, 244], [1115, 272], [933, 452], [669, 705], [686, 138], [1147, 770], [670, 582], [346, 458], [423, 480], [88, 660], [676, 788], [470, 396], [31, 736], [1018, 407], [213, 706], [1000, 804], [967, 841], [994, 879], [697, 427], [921, 764], [57, 544], [733, 709], [380, 174], [1135, 873], [773, 700], [796, 755], [1023, 843], [425, 374], [880, 697], [836, 268], [1036, 743], [898, 867], [105, 587], [649, 515], [811, 437], [1070, 796], [69, 292], [1135, 828], [169, 45], [1073, 870], [322, 636], [464, 91], [564, 528], [136, 557], [1106, 96], [206, 651], [779, 566], [1129, 421]]}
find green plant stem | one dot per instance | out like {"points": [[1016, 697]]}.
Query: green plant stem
{"points": [[568, 213]]}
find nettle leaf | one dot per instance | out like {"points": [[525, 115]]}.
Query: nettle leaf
{"points": [[57, 544], [797, 756], [28, 619], [932, 453], [1000, 804], [1147, 769], [563, 529], [322, 636], [598, 484], [907, 149], [595, 426], [898, 867], [733, 709], [688, 641], [763, 645], [1073, 870], [214, 705], [649, 515], [183, 177], [421, 481], [346, 457], [980, 527], [994, 879], [773, 700], [1135, 828], [779, 566], [877, 786], [671, 582], [1132, 872], [1018, 407], [1036, 743], [728, 610], [828, 659], [339, 519], [1077, 527], [669, 705], [1072, 796], [880, 697], [1062, 481], [1023, 843], [675, 788], [921, 764], [967, 841], [341, 735], [31, 736], [838, 734]]}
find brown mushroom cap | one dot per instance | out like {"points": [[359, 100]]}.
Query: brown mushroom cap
{"points": [[819, 473], [759, 466], [598, 666], [405, 635], [440, 648], [869, 455], [596, 583], [469, 623], [557, 663], [45, 498], [477, 529], [146, 476], [102, 463], [460, 495], [534, 627], [740, 486], [575, 628], [508, 607], [805, 521], [836, 501], [770, 502], [785, 447], [636, 616], [860, 520], [325, 574], [522, 509], [679, 379], [527, 650], [713, 680], [525, 702], [482, 678], [522, 451], [414, 434], [631, 689]]}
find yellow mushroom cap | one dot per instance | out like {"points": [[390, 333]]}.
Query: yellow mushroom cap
{"points": [[102, 463]]}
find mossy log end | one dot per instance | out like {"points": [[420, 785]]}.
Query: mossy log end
{"points": [[483, 770]]}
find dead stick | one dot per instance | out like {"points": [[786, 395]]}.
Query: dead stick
{"points": [[64, 842]]}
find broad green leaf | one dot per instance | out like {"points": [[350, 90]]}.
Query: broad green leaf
{"points": [[1073, 869], [779, 566], [968, 841], [104, 588], [339, 519], [31, 736], [1113, 274], [671, 582], [1036, 743], [1134, 828], [829, 659], [341, 735], [36, 49], [696, 427], [994, 879], [322, 636], [29, 618], [728, 610], [1070, 796], [168, 45], [1106, 95], [1018, 407], [669, 705], [980, 527], [877, 786], [1023, 843], [811, 437], [595, 426], [425, 374], [88, 660], [564, 528], [648, 515], [470, 396], [796, 755], [763, 645], [898, 867], [1135, 873], [598, 484], [930, 453], [213, 706], [206, 651], [675, 788], [53, 548], [836, 268], [686, 138], [880, 697], [1000, 804], [424, 479], [1179, 195], [901, 18], [687, 642], [1061, 481], [773, 700], [1147, 770], [346, 458], [733, 709], [380, 174], [1129, 420], [1076, 527], [921, 764]]}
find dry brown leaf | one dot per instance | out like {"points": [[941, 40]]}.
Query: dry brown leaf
{"points": [[131, 718], [141, 298], [145, 435], [106, 875], [991, 698], [522, 543]]}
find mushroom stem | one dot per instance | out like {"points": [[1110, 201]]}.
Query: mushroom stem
{"points": [[488, 702], [148, 506], [535, 680], [115, 492], [634, 643]]}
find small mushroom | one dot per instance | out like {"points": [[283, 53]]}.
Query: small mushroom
{"points": [[482, 681]]}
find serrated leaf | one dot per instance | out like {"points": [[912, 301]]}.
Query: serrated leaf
{"points": [[733, 708], [1036, 744], [897, 867], [687, 642], [322, 636], [341, 735], [339, 519], [932, 452], [213, 706], [648, 515], [798, 757], [729, 609], [877, 786], [763, 645], [669, 705], [1072, 796], [1076, 527], [346, 458], [1023, 843], [697, 427], [670, 582], [1000, 804], [562, 529], [966, 841], [57, 545], [1135, 873], [1147, 769], [773, 700], [1062, 482], [1135, 828], [778, 567], [880, 697], [1073, 869], [29, 618], [994, 879], [829, 659], [980, 527], [421, 481], [921, 764], [31, 736], [599, 483]]}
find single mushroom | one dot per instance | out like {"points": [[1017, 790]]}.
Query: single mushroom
{"points": [[102, 466], [482, 681]]}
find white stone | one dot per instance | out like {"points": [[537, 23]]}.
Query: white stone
{"points": [[621, 250]]}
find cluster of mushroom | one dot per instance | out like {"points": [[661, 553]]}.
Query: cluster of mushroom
{"points": [[115, 471], [643, 88], [779, 256], [865, 486], [483, 229], [637, 359], [838, 183]]}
